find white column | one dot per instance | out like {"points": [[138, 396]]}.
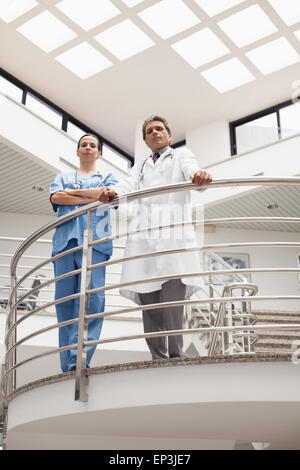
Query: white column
{"points": [[210, 143]]}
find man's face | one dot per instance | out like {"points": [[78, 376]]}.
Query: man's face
{"points": [[157, 136]]}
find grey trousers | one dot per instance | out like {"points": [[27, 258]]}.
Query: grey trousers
{"points": [[163, 319]]}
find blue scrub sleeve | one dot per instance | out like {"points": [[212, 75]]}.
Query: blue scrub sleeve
{"points": [[55, 187]]}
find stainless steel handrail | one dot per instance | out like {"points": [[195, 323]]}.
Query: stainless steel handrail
{"points": [[157, 190], [11, 341], [252, 289]]}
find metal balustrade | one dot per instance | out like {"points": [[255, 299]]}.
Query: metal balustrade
{"points": [[231, 328]]}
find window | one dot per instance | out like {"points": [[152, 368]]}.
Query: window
{"points": [[43, 110], [115, 158], [265, 127], [57, 117], [10, 89], [257, 133], [290, 120], [75, 131]]}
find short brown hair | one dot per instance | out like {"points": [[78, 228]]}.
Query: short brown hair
{"points": [[90, 135], [155, 118]]}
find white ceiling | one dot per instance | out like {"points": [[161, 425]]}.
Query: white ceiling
{"points": [[155, 81]]}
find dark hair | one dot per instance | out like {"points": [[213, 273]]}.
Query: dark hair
{"points": [[89, 135], [155, 118]]}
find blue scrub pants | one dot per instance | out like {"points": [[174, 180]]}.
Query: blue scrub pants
{"points": [[70, 309]]}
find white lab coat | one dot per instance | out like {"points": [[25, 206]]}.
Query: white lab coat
{"points": [[173, 166]]}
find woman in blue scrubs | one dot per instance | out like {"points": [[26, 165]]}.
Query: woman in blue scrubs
{"points": [[67, 193]]}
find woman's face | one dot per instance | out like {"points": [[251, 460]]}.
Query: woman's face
{"points": [[88, 149]]}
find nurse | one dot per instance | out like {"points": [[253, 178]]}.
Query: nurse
{"points": [[68, 192], [163, 166]]}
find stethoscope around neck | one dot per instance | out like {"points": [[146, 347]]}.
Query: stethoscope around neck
{"points": [[141, 172], [76, 184]]}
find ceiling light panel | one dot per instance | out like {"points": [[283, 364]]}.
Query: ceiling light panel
{"points": [[88, 13], [39, 30], [124, 40], [200, 48], [273, 56], [12, 9], [84, 61], [132, 3], [297, 34], [228, 75], [212, 8], [169, 17], [288, 10], [248, 26]]}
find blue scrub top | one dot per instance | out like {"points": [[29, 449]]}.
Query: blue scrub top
{"points": [[100, 221]]}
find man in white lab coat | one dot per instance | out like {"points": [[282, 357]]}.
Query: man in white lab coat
{"points": [[163, 167]]}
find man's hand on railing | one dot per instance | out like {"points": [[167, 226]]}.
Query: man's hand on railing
{"points": [[201, 177], [106, 194]]}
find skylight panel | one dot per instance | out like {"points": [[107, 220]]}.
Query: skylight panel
{"points": [[228, 75], [288, 10], [132, 3], [84, 61], [169, 17], [247, 26], [39, 30], [88, 13], [200, 48], [213, 7], [124, 40], [273, 56], [10, 10]]}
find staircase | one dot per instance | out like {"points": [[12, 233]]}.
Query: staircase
{"points": [[279, 341], [268, 341]]}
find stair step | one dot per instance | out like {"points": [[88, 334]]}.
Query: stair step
{"points": [[287, 351], [273, 342], [261, 321], [278, 334], [279, 318]]}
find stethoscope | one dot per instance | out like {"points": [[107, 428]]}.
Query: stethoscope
{"points": [[141, 172], [77, 185]]}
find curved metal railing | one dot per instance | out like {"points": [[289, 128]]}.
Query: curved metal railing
{"points": [[12, 343]]}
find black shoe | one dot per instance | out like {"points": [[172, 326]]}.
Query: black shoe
{"points": [[72, 368]]}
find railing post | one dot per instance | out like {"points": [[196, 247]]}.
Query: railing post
{"points": [[81, 380], [11, 383]]}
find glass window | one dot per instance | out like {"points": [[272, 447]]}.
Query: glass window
{"points": [[43, 110], [75, 131], [10, 89], [290, 120], [115, 158], [257, 133]]}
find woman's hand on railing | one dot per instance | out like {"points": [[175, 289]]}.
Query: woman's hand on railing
{"points": [[201, 177], [106, 194]]}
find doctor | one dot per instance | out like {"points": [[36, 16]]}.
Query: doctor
{"points": [[163, 167], [67, 193]]}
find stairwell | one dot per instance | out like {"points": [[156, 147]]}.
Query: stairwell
{"points": [[279, 341], [283, 342]]}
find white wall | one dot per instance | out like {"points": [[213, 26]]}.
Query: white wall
{"points": [[269, 284], [210, 143]]}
